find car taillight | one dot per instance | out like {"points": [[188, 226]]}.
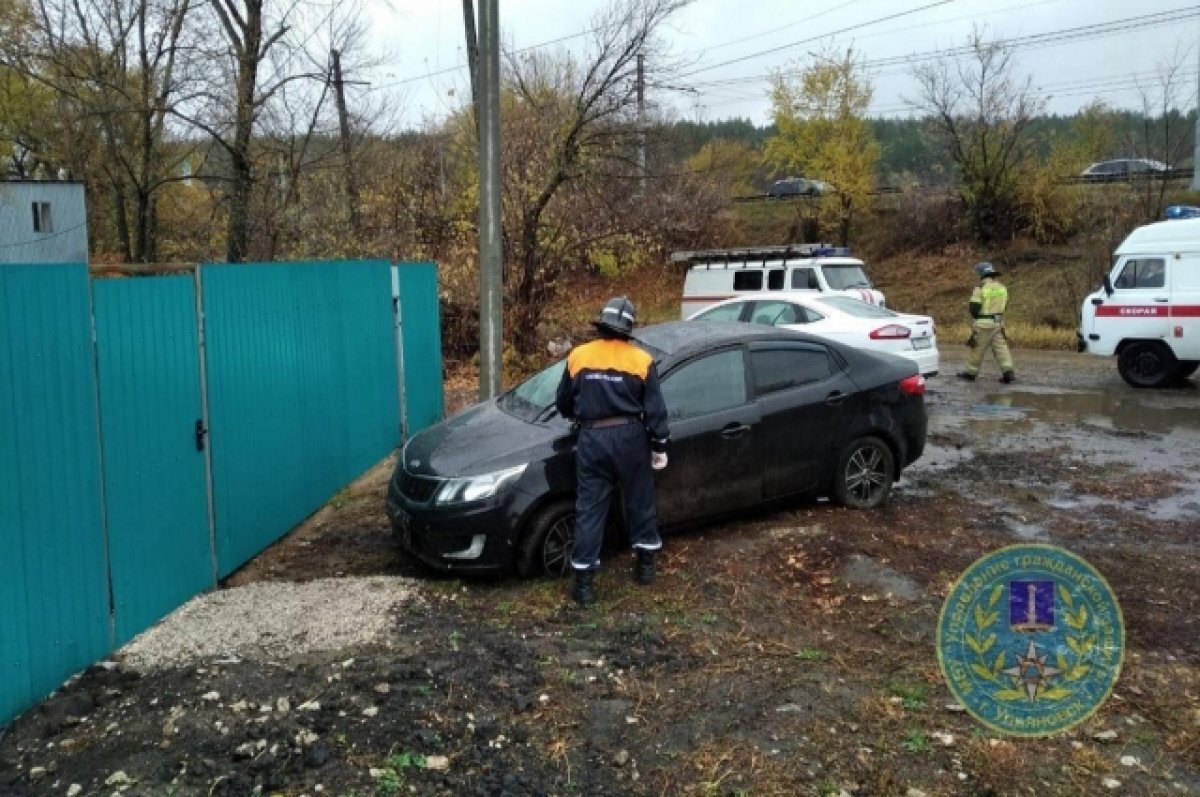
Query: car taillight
{"points": [[891, 332], [913, 386]]}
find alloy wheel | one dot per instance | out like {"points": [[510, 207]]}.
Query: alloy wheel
{"points": [[866, 474], [556, 547]]}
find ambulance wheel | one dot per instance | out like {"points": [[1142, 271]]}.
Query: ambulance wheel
{"points": [[1187, 368], [546, 545], [865, 473], [1147, 364]]}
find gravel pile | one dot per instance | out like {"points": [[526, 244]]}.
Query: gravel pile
{"points": [[273, 620]]}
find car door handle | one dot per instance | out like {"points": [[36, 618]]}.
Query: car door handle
{"points": [[734, 430], [835, 398], [1161, 299]]}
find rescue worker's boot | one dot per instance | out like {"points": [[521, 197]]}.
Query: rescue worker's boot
{"points": [[583, 591], [966, 376], [1008, 377], [644, 571]]}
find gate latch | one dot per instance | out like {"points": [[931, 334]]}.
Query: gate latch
{"points": [[201, 433]]}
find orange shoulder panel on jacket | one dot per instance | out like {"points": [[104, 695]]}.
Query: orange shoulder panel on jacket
{"points": [[610, 355]]}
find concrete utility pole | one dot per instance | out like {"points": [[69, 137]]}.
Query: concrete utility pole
{"points": [[339, 88], [472, 57], [491, 332], [1196, 151], [641, 122]]}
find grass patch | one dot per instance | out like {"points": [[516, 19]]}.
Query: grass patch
{"points": [[917, 742], [912, 696], [811, 654], [1021, 335]]}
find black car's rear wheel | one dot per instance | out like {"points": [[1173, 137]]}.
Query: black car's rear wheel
{"points": [[865, 473], [546, 544]]}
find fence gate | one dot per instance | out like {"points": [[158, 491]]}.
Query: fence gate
{"points": [[155, 484]]}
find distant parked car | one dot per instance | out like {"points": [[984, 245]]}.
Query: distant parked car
{"points": [[1123, 169], [840, 318], [796, 186]]}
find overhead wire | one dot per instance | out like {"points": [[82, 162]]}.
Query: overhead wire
{"points": [[1029, 42]]}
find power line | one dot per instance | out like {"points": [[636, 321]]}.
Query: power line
{"points": [[461, 67], [776, 29], [809, 40], [1030, 42]]}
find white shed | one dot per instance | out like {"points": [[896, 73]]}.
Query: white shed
{"points": [[43, 221]]}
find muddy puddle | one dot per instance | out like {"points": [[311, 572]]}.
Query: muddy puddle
{"points": [[1106, 438], [1161, 413]]}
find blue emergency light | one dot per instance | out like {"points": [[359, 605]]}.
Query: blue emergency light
{"points": [[839, 251], [1182, 212]]}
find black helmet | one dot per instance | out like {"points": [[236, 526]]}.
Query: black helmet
{"points": [[617, 316], [986, 269]]}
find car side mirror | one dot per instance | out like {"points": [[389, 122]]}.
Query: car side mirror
{"points": [[1108, 286]]}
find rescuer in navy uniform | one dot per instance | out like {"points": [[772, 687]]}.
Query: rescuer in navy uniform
{"points": [[610, 387]]}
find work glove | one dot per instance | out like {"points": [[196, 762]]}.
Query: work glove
{"points": [[972, 341], [658, 460]]}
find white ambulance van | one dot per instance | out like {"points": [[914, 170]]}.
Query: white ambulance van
{"points": [[1147, 312], [717, 274]]}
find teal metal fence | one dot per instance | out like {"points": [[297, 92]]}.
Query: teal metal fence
{"points": [[155, 484], [420, 345], [54, 605], [155, 436], [302, 391]]}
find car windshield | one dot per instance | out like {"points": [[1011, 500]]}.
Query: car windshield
{"points": [[531, 399], [856, 308], [843, 276]]}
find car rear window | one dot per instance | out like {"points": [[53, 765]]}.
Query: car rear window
{"points": [[725, 312], [856, 308], [778, 369], [774, 314], [710, 384]]}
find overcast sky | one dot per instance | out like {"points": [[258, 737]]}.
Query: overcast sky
{"points": [[1075, 50]]}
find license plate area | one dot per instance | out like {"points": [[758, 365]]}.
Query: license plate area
{"points": [[922, 343]]}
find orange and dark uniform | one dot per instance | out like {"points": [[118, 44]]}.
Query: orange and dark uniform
{"points": [[610, 386]]}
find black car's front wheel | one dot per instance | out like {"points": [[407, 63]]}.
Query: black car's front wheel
{"points": [[546, 545], [865, 473]]}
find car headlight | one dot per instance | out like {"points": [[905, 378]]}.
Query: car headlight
{"points": [[477, 488]]}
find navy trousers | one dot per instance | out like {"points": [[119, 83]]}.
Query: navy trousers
{"points": [[605, 459]]}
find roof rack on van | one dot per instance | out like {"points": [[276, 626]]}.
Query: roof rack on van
{"points": [[763, 253]]}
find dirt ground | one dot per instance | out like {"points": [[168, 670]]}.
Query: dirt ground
{"points": [[789, 653]]}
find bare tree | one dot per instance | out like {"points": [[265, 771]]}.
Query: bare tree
{"points": [[1165, 134], [574, 116], [980, 110], [270, 111], [121, 66]]}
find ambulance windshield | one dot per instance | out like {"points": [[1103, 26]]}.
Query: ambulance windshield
{"points": [[841, 276]]}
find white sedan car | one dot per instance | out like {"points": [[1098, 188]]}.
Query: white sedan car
{"points": [[840, 318]]}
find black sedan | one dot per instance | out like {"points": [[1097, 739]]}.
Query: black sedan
{"points": [[757, 415]]}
